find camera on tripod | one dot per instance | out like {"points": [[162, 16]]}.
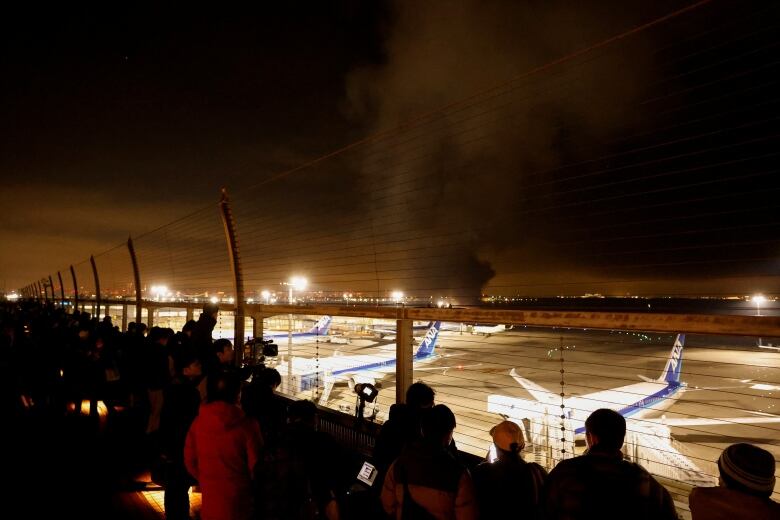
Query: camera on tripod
{"points": [[366, 392], [270, 349], [258, 349]]}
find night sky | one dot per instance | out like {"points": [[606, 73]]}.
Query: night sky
{"points": [[645, 166]]}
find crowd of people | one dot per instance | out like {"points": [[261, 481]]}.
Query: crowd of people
{"points": [[209, 423]]}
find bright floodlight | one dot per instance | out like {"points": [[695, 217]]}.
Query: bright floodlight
{"points": [[440, 304], [214, 299], [298, 283], [758, 299], [266, 294], [159, 290], [397, 296]]}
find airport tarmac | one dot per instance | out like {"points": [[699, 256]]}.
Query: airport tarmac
{"points": [[726, 378]]}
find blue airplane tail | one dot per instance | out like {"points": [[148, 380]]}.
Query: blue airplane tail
{"points": [[673, 368], [428, 343], [322, 326]]}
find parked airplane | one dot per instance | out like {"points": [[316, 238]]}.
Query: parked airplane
{"points": [[353, 369], [635, 401], [381, 331], [320, 329], [487, 330]]}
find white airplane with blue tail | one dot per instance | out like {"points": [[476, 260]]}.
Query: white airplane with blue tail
{"points": [[634, 402], [354, 369], [652, 444], [319, 329]]}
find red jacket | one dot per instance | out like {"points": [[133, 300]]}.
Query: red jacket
{"points": [[221, 451]]}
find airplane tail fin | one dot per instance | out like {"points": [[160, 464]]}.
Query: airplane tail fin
{"points": [[673, 368], [322, 326], [428, 343]]}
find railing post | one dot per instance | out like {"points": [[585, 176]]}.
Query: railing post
{"points": [[403, 353], [45, 290], [39, 290], [62, 288], [97, 286], [137, 280], [150, 315], [75, 288], [190, 313], [238, 279], [124, 317], [51, 285], [257, 326]]}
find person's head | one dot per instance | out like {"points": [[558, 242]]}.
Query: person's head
{"points": [[270, 377], [419, 396], [159, 335], [508, 437], [189, 327], [747, 468], [302, 412], [140, 328], [188, 364], [606, 429], [224, 350], [438, 424], [225, 386]]}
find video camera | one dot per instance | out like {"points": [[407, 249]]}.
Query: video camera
{"points": [[270, 349], [258, 349]]}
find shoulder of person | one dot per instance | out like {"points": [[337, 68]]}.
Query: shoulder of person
{"points": [[536, 468]]}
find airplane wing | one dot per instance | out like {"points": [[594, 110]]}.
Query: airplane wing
{"points": [[362, 378], [448, 367], [541, 394], [657, 453], [715, 421]]}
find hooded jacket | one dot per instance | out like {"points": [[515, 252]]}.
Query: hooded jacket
{"points": [[221, 450]]}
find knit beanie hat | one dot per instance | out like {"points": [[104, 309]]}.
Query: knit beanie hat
{"points": [[749, 467]]}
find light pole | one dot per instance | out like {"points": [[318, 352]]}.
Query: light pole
{"points": [[758, 299], [299, 283]]}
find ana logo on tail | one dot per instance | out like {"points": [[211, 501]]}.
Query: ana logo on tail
{"points": [[673, 367], [429, 341], [322, 325]]}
